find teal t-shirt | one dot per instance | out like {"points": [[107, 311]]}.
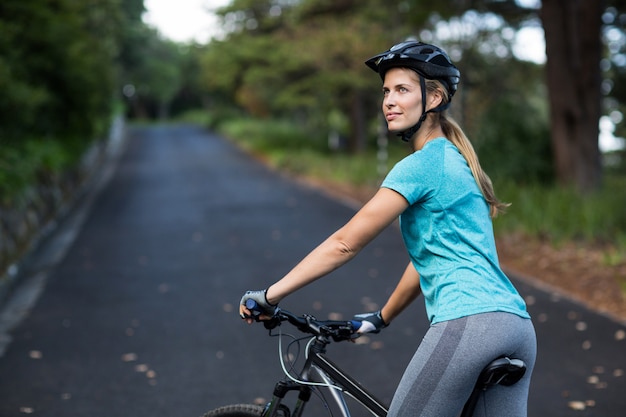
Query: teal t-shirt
{"points": [[449, 235]]}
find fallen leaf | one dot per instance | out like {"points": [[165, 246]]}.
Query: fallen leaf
{"points": [[593, 379], [377, 345], [577, 405], [35, 354], [142, 368], [335, 316]]}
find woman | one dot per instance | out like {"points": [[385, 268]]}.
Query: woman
{"points": [[445, 203]]}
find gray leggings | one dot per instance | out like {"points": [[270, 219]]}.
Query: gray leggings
{"points": [[442, 373]]}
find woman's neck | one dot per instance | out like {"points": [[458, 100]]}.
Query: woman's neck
{"points": [[425, 135]]}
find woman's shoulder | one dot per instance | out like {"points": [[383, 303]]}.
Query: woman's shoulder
{"points": [[434, 149]]}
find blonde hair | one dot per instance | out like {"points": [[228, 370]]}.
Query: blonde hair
{"points": [[455, 134]]}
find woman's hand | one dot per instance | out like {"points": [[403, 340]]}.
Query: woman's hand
{"points": [[370, 322], [255, 307]]}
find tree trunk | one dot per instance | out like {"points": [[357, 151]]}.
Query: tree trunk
{"points": [[573, 48]]}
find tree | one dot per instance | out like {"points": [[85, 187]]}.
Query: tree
{"points": [[56, 61], [573, 47], [573, 78]]}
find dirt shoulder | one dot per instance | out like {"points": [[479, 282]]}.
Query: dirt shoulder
{"points": [[582, 272]]}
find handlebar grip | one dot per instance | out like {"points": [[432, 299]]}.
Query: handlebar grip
{"points": [[254, 307], [356, 325]]}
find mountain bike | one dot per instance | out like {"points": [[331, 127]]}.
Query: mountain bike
{"points": [[319, 373]]}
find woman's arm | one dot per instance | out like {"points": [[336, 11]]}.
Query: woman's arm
{"points": [[343, 245], [407, 290]]}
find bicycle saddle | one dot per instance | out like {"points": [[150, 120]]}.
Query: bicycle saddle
{"points": [[503, 371]]}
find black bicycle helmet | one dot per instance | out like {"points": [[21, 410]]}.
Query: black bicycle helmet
{"points": [[428, 61]]}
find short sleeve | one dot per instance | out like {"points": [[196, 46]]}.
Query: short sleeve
{"points": [[417, 177]]}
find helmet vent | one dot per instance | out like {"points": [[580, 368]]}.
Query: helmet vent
{"points": [[440, 60]]}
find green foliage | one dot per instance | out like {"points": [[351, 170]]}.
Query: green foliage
{"points": [[58, 68], [29, 163], [153, 73], [539, 210], [513, 141], [305, 62], [56, 63], [287, 146], [271, 137], [563, 214]]}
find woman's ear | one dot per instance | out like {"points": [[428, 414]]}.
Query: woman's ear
{"points": [[434, 99]]}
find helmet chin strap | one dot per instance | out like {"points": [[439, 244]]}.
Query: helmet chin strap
{"points": [[408, 134]]}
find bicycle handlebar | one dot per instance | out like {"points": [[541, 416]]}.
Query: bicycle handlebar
{"points": [[338, 330]]}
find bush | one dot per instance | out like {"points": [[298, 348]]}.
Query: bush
{"points": [[31, 162], [270, 136], [564, 214]]}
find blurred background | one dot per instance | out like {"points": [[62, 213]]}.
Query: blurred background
{"points": [[542, 98]]}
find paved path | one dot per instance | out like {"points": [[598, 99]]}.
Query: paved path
{"points": [[135, 296]]}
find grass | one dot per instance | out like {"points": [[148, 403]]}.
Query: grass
{"points": [[287, 147], [545, 212], [563, 214]]}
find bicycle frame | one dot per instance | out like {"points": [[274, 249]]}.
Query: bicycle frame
{"points": [[350, 385], [321, 370]]}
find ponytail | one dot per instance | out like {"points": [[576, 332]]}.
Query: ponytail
{"points": [[455, 134]]}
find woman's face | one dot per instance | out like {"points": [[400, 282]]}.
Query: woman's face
{"points": [[402, 102]]}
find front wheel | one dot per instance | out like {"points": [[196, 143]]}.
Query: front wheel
{"points": [[236, 410]]}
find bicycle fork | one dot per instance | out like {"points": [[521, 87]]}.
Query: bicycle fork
{"points": [[276, 408]]}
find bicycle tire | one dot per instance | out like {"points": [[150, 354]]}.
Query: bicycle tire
{"points": [[236, 410]]}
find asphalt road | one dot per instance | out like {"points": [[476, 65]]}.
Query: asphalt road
{"points": [[128, 309]]}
